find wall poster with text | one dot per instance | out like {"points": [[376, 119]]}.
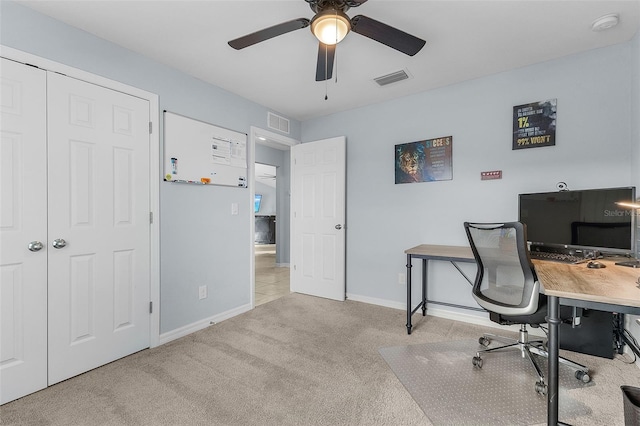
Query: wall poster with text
{"points": [[424, 161], [534, 124]]}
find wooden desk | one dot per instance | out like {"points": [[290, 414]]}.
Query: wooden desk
{"points": [[428, 252], [614, 289]]}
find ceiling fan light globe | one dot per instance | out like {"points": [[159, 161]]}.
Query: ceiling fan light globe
{"points": [[330, 26]]}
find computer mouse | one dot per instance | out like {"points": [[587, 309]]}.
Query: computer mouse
{"points": [[594, 264]]}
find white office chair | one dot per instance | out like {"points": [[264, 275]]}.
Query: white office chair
{"points": [[506, 285]]}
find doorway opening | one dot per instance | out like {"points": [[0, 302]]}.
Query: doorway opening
{"points": [[271, 278], [269, 175]]}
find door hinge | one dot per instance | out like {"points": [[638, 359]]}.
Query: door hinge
{"points": [[150, 307], [150, 127], [150, 217]]}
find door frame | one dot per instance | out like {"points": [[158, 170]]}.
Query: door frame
{"points": [[277, 141], [154, 164]]}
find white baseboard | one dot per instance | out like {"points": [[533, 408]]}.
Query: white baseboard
{"points": [[199, 325], [374, 301]]}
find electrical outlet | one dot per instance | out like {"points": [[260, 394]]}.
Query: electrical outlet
{"points": [[202, 292], [402, 278]]}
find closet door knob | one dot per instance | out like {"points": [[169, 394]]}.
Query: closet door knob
{"points": [[35, 246], [59, 243]]}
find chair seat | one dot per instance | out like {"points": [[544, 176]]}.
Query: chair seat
{"points": [[538, 317], [534, 319]]}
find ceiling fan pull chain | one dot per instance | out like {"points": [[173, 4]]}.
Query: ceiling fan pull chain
{"points": [[326, 89], [326, 72]]}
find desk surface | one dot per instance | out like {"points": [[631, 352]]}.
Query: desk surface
{"points": [[617, 285], [441, 252]]}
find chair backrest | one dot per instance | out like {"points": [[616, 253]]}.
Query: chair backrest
{"points": [[506, 281]]}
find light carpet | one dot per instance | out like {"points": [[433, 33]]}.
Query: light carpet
{"points": [[298, 360]]}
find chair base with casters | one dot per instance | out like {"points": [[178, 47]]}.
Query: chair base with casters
{"points": [[527, 348]]}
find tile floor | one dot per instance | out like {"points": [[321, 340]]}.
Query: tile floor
{"points": [[272, 282]]}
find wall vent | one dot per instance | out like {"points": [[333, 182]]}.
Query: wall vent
{"points": [[277, 122], [391, 78]]}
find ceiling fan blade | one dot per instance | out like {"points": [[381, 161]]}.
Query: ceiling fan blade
{"points": [[383, 33], [354, 3], [267, 33], [324, 69]]}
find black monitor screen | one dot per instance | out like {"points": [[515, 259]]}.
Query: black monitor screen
{"points": [[580, 219]]}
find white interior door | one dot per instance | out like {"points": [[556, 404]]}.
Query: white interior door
{"points": [[99, 229], [23, 220], [318, 181]]}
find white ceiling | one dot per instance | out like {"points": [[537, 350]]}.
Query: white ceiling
{"points": [[465, 40], [266, 174]]}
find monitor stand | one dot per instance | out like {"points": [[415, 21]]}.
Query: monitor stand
{"points": [[631, 263]]}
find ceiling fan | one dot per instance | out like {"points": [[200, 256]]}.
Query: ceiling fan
{"points": [[330, 25]]}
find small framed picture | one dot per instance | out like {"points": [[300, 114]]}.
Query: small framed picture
{"points": [[424, 161], [534, 124]]}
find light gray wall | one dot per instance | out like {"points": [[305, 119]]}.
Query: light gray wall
{"points": [[593, 149], [201, 242], [597, 140], [282, 160]]}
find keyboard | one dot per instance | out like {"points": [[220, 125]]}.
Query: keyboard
{"points": [[556, 257]]}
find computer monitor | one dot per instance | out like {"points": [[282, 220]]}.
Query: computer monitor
{"points": [[256, 203], [583, 220]]}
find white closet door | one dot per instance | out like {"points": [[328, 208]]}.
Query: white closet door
{"points": [[99, 220], [23, 219]]}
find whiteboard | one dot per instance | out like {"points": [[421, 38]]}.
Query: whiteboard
{"points": [[200, 153]]}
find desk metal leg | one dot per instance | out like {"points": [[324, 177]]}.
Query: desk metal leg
{"points": [[424, 287], [553, 319], [409, 310]]}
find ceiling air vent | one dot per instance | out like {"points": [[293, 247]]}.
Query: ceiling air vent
{"points": [[391, 78], [278, 123]]}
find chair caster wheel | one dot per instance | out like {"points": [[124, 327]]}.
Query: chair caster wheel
{"points": [[484, 341], [477, 361], [583, 376], [541, 388]]}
